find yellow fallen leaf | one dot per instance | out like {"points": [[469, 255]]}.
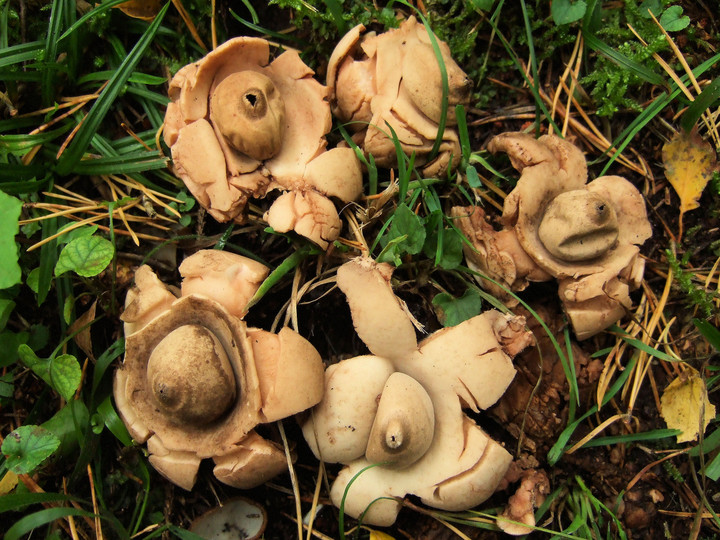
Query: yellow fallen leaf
{"points": [[379, 535], [685, 405], [8, 483], [689, 165], [141, 9]]}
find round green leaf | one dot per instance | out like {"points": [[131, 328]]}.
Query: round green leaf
{"points": [[27, 447], [87, 256], [10, 273], [566, 12], [673, 20], [63, 373]]}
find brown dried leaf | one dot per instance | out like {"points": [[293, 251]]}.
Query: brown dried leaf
{"points": [[689, 164], [141, 9], [685, 405], [83, 338]]}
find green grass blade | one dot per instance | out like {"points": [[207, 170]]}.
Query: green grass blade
{"points": [[464, 135], [623, 62], [112, 421], [21, 53], [558, 449], [51, 51], [445, 90], [628, 134], [276, 275], [708, 331], [104, 361], [336, 10], [99, 9], [99, 110], [642, 346], [654, 435], [709, 95], [276, 35], [536, 95], [533, 60], [124, 164], [17, 501], [40, 518]]}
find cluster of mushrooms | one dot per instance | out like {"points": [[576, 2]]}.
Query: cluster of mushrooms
{"points": [[196, 382]]}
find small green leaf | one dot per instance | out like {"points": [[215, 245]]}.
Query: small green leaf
{"points": [[451, 255], [87, 256], [68, 237], [9, 343], [62, 373], [6, 385], [27, 447], [68, 308], [566, 12], [406, 235], [473, 179], [673, 19], [6, 307], [33, 280], [452, 311], [653, 6], [69, 425], [10, 273]]}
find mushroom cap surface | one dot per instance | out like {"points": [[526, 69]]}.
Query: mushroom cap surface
{"points": [[236, 518], [189, 375], [337, 429], [208, 438], [250, 113], [308, 213], [380, 318], [404, 423], [147, 299]]}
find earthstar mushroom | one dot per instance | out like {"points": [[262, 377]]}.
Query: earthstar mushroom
{"points": [[400, 408], [391, 82], [195, 381], [240, 127], [555, 225]]}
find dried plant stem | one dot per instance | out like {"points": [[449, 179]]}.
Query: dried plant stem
{"points": [[293, 479]]}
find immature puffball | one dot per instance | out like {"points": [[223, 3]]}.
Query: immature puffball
{"points": [[250, 113]]}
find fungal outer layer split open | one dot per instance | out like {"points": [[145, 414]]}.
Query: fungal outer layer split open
{"points": [[390, 85], [240, 126], [195, 381], [587, 236], [401, 408]]}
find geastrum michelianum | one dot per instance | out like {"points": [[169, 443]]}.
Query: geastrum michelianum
{"points": [[196, 381], [393, 80], [401, 407], [240, 126], [555, 225]]}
